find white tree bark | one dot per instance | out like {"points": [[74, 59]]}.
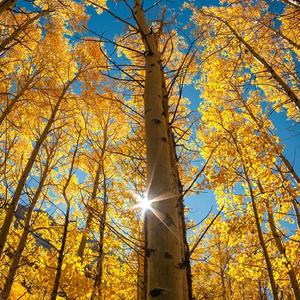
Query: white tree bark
{"points": [[164, 249]]}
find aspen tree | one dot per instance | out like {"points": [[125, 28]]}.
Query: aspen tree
{"points": [[165, 247]]}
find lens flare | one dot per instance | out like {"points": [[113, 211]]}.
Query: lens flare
{"points": [[144, 204]]}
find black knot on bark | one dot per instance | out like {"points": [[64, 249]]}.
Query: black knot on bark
{"points": [[156, 292], [169, 221], [148, 53], [156, 121], [149, 251], [168, 255]]}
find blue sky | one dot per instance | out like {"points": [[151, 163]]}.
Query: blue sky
{"points": [[287, 130], [108, 26]]}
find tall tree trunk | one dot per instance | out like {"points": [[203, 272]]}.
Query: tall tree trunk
{"points": [[141, 282], [22, 242], [61, 254], [16, 197], [280, 246], [97, 289], [261, 239], [174, 163], [86, 230], [281, 249], [164, 236]]}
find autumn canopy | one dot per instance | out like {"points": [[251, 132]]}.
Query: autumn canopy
{"points": [[149, 150]]}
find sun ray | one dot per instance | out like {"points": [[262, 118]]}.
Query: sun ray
{"points": [[145, 205]]}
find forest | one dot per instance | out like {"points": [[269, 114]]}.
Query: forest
{"points": [[149, 150]]}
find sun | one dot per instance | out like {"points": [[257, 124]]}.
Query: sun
{"points": [[144, 204]]}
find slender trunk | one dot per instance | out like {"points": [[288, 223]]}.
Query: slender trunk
{"points": [[141, 285], [21, 29], [290, 93], [284, 37], [22, 242], [282, 251], [61, 254], [290, 168], [260, 291], [262, 241], [16, 197], [293, 200], [86, 230], [280, 247], [97, 290], [296, 210], [164, 244], [6, 4]]}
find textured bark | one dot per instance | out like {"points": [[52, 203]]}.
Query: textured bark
{"points": [[22, 242], [16, 197], [174, 163], [165, 275], [141, 285]]}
